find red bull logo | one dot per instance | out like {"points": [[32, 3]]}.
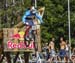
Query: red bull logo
{"points": [[16, 36], [19, 35]]}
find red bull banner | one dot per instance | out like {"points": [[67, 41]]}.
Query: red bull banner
{"points": [[14, 39]]}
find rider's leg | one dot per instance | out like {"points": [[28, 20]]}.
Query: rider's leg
{"points": [[26, 35]]}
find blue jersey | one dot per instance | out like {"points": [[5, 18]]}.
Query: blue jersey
{"points": [[29, 13]]}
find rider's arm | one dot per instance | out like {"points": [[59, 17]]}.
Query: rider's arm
{"points": [[23, 19], [27, 13]]}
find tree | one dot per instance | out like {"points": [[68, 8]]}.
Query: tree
{"points": [[55, 17]]}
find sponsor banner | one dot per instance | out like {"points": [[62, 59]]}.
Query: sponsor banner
{"points": [[13, 39]]}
